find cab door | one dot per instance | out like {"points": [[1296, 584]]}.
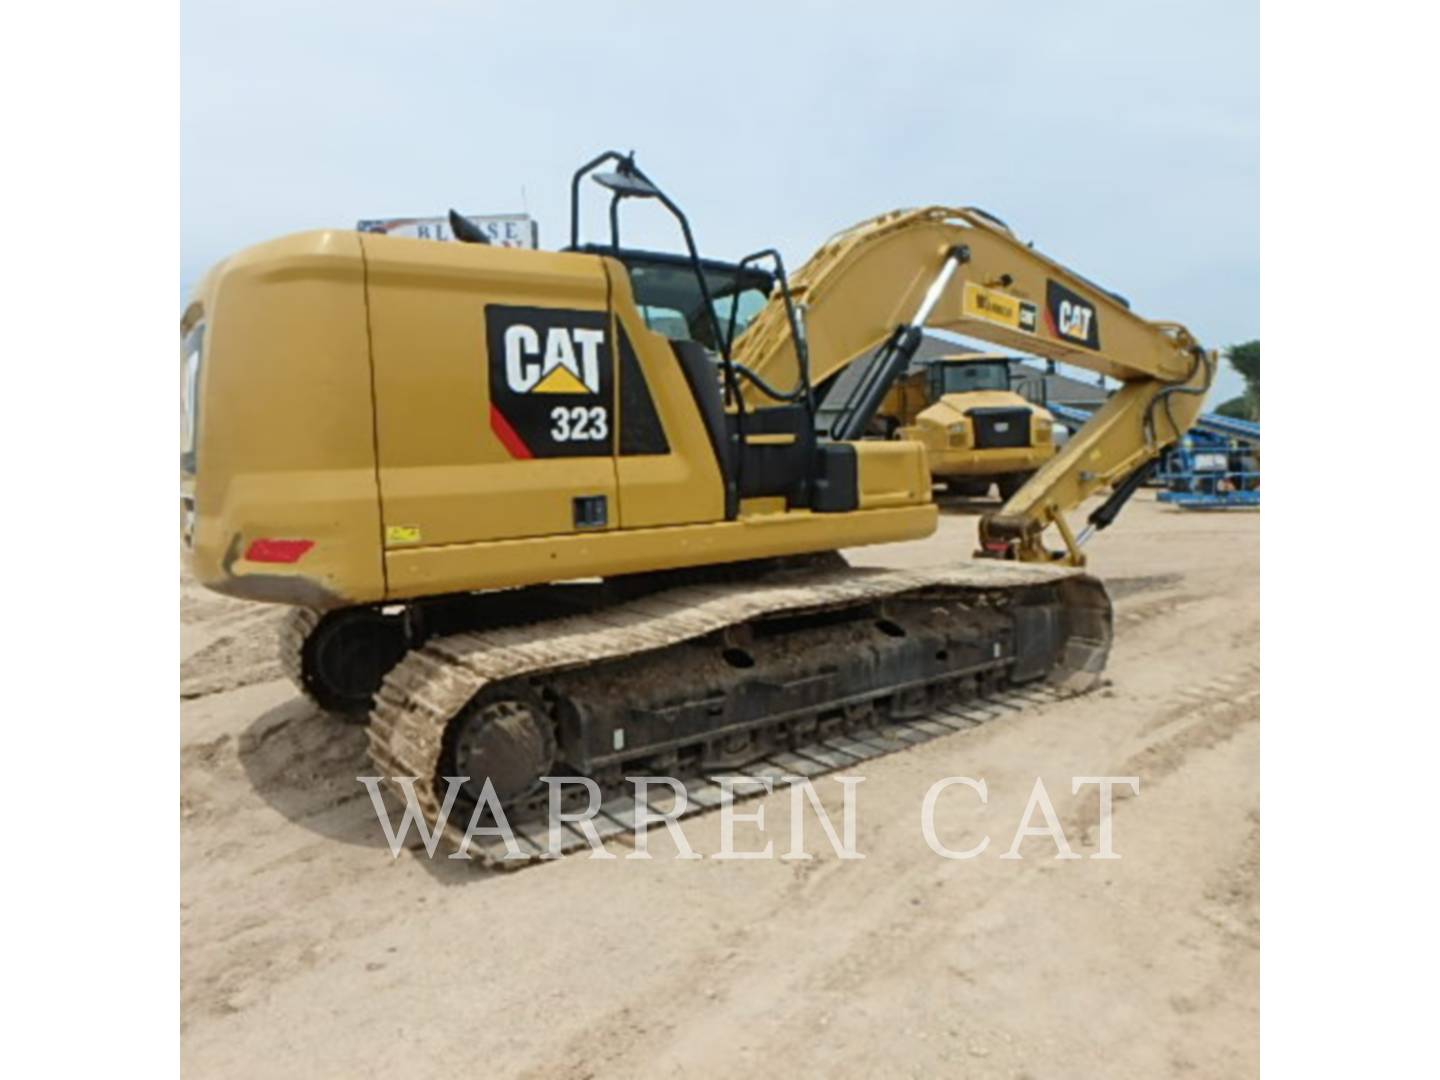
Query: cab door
{"points": [[667, 465], [494, 378]]}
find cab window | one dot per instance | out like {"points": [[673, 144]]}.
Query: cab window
{"points": [[671, 303], [963, 378]]}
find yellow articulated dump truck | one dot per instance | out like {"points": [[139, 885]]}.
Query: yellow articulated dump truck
{"points": [[976, 430]]}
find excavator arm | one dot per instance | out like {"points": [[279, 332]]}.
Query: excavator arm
{"points": [[876, 285]]}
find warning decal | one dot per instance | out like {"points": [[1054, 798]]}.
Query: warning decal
{"points": [[999, 308]]}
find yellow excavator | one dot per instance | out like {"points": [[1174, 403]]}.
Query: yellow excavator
{"points": [[573, 512], [977, 429]]}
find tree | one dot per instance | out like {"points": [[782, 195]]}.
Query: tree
{"points": [[1236, 407], [1245, 360]]}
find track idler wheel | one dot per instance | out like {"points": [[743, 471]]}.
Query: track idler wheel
{"points": [[509, 741], [346, 657]]}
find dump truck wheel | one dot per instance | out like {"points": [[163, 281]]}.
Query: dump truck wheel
{"points": [[968, 488], [1010, 483]]}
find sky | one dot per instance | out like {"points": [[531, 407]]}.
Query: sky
{"points": [[1121, 138]]}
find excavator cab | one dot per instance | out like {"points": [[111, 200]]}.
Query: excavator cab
{"points": [[685, 297], [767, 450], [669, 298]]}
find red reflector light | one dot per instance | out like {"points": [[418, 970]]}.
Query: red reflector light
{"points": [[277, 550]]}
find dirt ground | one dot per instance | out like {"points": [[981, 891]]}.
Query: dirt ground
{"points": [[307, 950]]}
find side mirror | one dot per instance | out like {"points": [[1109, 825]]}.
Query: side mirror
{"points": [[465, 230]]}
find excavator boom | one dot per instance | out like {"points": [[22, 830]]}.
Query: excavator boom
{"points": [[962, 270]]}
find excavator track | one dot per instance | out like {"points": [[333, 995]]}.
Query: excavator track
{"points": [[424, 696]]}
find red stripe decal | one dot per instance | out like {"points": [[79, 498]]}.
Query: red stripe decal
{"points": [[1050, 322], [507, 435]]}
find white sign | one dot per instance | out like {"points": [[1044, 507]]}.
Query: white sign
{"points": [[504, 230]]}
